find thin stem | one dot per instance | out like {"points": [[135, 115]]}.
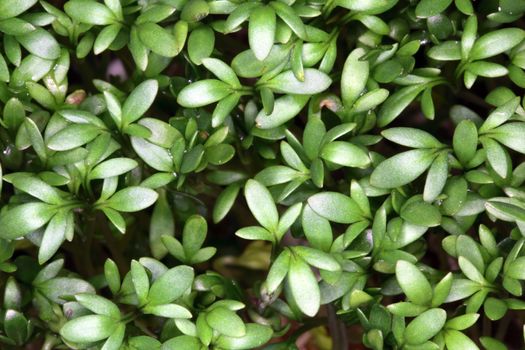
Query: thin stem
{"points": [[337, 330]]}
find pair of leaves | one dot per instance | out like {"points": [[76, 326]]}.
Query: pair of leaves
{"points": [[293, 264]]}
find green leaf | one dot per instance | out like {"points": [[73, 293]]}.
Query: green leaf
{"points": [[16, 326], [397, 102], [56, 288], [138, 50], [201, 43], [140, 280], [156, 13], [55, 233], [89, 11], [40, 43], [492, 344], [98, 305], [301, 279], [202, 93], [168, 311], [487, 69], [35, 187], [429, 8], [278, 271], [368, 6], [442, 289], [370, 100], [509, 135], [468, 248], [261, 31], [456, 340], [288, 15], [413, 283], [462, 322], [411, 137], [106, 37], [158, 39], [465, 6], [496, 157], [495, 309], [112, 167], [112, 275], [335, 207], [88, 329], [316, 229], [255, 233], [114, 342], [345, 154], [246, 65], [496, 42], [171, 285], [225, 202], [470, 271], [402, 168], [354, 77], [291, 157], [220, 154], [465, 141], [314, 82], [446, 51], [505, 211], [421, 213], [132, 199], [226, 322], [425, 326], [73, 136], [194, 234], [24, 218], [317, 258], [256, 336], [179, 342], [194, 11], [9, 9], [224, 108], [261, 205], [288, 218], [4, 71], [469, 35], [436, 178], [222, 71], [192, 159], [461, 289], [285, 108], [516, 269], [156, 157], [139, 101], [41, 95], [406, 309]]}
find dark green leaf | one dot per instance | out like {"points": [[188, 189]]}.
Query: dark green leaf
{"points": [[202, 93], [25, 218], [402, 168], [414, 284], [425, 326], [132, 199], [496, 42], [301, 279], [89, 11], [261, 31], [261, 204], [88, 329], [345, 154], [335, 207]]}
